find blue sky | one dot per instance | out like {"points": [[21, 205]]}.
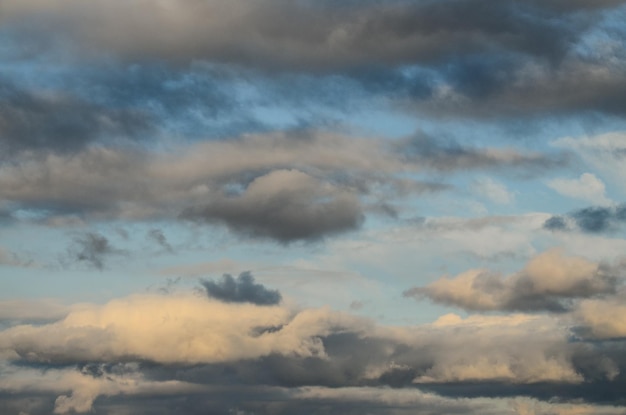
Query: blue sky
{"points": [[312, 207]]}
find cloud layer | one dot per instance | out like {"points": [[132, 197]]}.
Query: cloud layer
{"points": [[193, 345], [356, 156]]}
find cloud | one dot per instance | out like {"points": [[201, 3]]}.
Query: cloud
{"points": [[587, 187], [241, 290], [493, 190], [60, 121], [175, 329], [445, 155], [604, 152], [335, 348], [32, 310], [240, 354], [281, 186], [520, 59], [77, 390], [593, 219], [549, 282], [358, 34], [93, 249], [285, 205], [555, 223], [602, 319], [157, 236]]}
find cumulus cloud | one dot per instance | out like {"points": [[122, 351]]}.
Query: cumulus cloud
{"points": [[242, 354], [603, 319], [170, 329], [285, 205], [189, 329], [549, 282], [241, 290], [588, 187], [78, 389]]}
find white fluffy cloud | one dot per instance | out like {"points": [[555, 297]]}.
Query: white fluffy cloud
{"points": [[170, 329], [587, 187]]}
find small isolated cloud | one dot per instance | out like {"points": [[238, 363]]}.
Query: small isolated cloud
{"points": [[93, 249], [549, 282], [555, 223], [593, 219], [157, 236], [587, 187], [241, 290]]}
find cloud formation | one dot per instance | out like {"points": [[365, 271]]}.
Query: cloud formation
{"points": [[92, 248], [285, 205], [521, 58], [593, 219], [315, 35], [289, 187], [185, 345], [549, 282], [602, 319], [241, 290], [335, 147], [587, 187], [61, 122]]}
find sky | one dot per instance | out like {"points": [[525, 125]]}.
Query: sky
{"points": [[274, 207]]}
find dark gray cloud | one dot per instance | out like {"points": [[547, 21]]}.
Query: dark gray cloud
{"points": [[284, 205], [59, 121], [93, 249], [593, 219], [315, 35], [241, 290], [490, 91], [555, 223], [474, 58]]}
